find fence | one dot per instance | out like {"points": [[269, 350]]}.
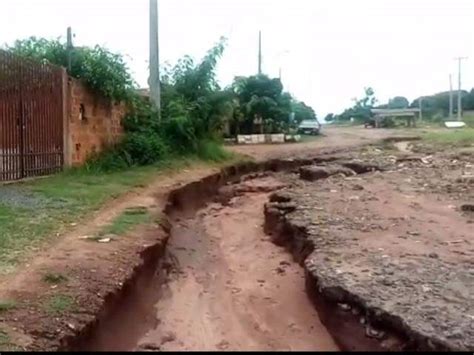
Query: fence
{"points": [[31, 118]]}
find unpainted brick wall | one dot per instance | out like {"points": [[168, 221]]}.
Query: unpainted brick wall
{"points": [[94, 122]]}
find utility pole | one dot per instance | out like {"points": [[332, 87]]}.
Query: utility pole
{"points": [[451, 103], [260, 53], [70, 48], [420, 104], [459, 59], [154, 80]]}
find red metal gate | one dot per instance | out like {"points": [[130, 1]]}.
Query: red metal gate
{"points": [[31, 118]]}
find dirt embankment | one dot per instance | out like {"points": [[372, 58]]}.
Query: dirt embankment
{"points": [[220, 284]]}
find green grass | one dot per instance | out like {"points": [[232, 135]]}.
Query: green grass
{"points": [[4, 340], [54, 279], [59, 304], [7, 305], [469, 120], [456, 138], [212, 151], [71, 196], [6, 343], [129, 219]]}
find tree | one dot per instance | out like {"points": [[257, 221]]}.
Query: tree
{"points": [[330, 117], [261, 102], [193, 103], [398, 102], [361, 111], [303, 112]]}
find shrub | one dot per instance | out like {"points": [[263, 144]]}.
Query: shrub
{"points": [[143, 149], [102, 70], [212, 150]]}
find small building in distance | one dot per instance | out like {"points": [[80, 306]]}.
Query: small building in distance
{"points": [[410, 114]]}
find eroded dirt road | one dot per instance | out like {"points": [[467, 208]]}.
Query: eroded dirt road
{"points": [[232, 288]]}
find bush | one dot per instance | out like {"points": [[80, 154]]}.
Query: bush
{"points": [[211, 150], [143, 149], [102, 70]]}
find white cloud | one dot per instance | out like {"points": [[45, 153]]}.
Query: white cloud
{"points": [[336, 47]]}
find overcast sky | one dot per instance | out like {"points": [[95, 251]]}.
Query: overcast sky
{"points": [[328, 49]]}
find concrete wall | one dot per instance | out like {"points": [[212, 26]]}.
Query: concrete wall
{"points": [[92, 123]]}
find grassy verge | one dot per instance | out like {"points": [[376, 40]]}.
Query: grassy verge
{"points": [[59, 304], [454, 138], [129, 219], [34, 211], [469, 120]]}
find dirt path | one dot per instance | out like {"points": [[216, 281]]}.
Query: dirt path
{"points": [[45, 315], [233, 289], [332, 137]]}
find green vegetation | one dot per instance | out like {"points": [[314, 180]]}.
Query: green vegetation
{"points": [[454, 138], [6, 343], [102, 70], [59, 304], [7, 305], [360, 111], [187, 130], [435, 108], [54, 278], [261, 106], [37, 210], [469, 119], [5, 340], [129, 219]]}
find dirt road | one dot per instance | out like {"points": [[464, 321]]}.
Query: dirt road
{"points": [[331, 137], [233, 289]]}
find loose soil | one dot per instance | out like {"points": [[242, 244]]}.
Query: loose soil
{"points": [[205, 276], [232, 289]]}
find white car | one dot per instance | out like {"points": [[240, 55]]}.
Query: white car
{"points": [[309, 127]]}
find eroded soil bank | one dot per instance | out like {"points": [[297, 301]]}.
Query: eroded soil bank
{"points": [[219, 279], [375, 275]]}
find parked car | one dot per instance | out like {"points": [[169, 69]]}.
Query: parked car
{"points": [[369, 123], [312, 127]]}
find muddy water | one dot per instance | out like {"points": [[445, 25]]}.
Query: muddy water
{"points": [[231, 288]]}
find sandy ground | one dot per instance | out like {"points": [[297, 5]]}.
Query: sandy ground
{"points": [[234, 289]]}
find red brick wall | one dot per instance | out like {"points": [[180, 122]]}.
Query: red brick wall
{"points": [[95, 129]]}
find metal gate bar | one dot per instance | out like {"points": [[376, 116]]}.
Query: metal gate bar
{"points": [[31, 118]]}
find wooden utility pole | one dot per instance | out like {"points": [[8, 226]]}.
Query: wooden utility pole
{"points": [[260, 53], [154, 80], [460, 59]]}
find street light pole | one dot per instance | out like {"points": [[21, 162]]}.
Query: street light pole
{"points": [[154, 80]]}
